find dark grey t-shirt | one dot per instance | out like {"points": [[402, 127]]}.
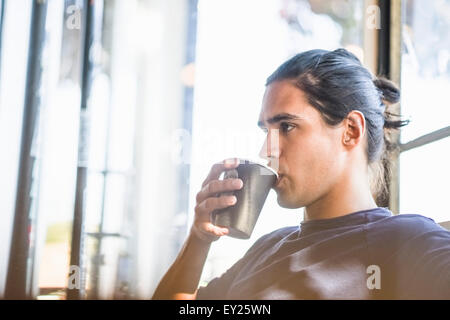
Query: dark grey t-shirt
{"points": [[368, 254]]}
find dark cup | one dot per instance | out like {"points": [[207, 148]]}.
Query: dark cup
{"points": [[241, 217]]}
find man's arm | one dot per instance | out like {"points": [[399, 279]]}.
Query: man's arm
{"points": [[181, 280]]}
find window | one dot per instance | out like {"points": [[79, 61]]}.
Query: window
{"points": [[110, 96], [425, 82], [14, 33]]}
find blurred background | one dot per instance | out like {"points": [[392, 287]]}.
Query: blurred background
{"points": [[112, 113]]}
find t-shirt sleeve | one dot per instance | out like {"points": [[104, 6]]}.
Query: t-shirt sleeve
{"points": [[428, 258]]}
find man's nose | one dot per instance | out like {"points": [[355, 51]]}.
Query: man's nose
{"points": [[271, 147]]}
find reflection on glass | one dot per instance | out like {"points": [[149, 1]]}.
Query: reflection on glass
{"points": [[319, 24], [425, 76]]}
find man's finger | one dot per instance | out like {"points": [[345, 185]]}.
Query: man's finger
{"points": [[215, 187], [220, 167], [213, 203]]}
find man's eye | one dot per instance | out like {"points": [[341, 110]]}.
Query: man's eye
{"points": [[286, 127]]}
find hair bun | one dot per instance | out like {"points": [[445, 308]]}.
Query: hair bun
{"points": [[391, 94], [389, 90]]}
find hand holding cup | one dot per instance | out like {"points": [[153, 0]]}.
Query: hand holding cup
{"points": [[210, 198]]}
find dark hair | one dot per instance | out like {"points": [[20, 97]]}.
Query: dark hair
{"points": [[335, 83]]}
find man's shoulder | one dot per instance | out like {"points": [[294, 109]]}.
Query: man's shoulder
{"points": [[409, 222], [406, 226]]}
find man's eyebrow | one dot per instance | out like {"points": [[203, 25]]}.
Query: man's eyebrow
{"points": [[280, 117]]}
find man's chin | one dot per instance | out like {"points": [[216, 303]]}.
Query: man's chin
{"points": [[287, 203]]}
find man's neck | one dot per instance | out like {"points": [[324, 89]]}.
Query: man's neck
{"points": [[350, 195]]}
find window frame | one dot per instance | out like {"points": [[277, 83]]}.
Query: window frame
{"points": [[389, 65]]}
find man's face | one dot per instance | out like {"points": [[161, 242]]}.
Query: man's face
{"points": [[310, 157]]}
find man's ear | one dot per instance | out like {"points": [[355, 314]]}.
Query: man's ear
{"points": [[354, 128]]}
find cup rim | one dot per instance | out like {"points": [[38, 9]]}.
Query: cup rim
{"points": [[258, 162]]}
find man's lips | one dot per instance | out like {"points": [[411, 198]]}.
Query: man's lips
{"points": [[280, 176]]}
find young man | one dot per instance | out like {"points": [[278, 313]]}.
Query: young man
{"points": [[330, 117]]}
